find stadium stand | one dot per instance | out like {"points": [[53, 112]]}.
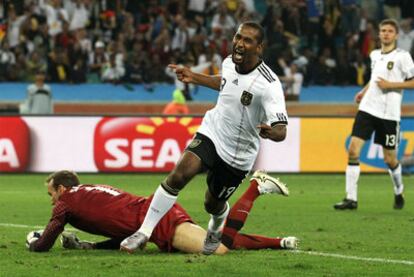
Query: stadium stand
{"points": [[128, 43]]}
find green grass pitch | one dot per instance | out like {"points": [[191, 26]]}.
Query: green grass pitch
{"points": [[375, 240]]}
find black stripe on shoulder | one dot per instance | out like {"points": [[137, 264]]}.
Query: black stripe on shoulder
{"points": [[268, 71], [265, 75]]}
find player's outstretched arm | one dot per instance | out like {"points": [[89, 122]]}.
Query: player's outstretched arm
{"points": [[275, 133], [384, 84], [185, 75]]}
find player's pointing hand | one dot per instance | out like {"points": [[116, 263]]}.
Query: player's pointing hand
{"points": [[184, 74]]}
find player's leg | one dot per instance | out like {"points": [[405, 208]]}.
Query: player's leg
{"points": [[387, 134], [362, 130], [351, 175], [222, 181], [239, 212], [218, 210], [164, 198], [189, 238], [395, 171]]}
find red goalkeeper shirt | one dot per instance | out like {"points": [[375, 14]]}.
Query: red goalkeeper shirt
{"points": [[96, 209]]}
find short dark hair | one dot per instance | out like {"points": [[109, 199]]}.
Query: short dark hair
{"points": [[391, 22], [66, 178], [258, 27]]}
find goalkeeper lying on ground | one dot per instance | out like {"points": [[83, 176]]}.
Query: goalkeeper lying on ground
{"points": [[110, 212]]}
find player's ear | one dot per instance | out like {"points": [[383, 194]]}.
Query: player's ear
{"points": [[259, 49], [61, 188]]}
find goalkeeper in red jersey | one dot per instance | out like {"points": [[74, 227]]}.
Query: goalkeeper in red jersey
{"points": [[110, 212]]}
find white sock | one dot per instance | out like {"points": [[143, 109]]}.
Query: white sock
{"points": [[352, 176], [216, 222], [396, 178], [161, 203]]}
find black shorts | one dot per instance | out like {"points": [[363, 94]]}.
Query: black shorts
{"points": [[222, 179], [387, 132]]}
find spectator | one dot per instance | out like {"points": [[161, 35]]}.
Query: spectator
{"points": [[190, 26], [137, 68], [80, 15], [292, 82], [112, 71], [7, 60], [181, 36], [223, 21], [406, 36], [55, 16], [392, 9], [79, 71], [39, 97], [97, 59], [58, 66], [14, 23], [35, 63]]}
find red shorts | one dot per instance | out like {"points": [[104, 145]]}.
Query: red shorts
{"points": [[163, 233]]}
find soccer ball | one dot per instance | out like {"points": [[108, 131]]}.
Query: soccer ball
{"points": [[32, 237]]}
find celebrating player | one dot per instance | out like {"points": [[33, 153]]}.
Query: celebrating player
{"points": [[379, 112], [250, 105], [110, 212]]}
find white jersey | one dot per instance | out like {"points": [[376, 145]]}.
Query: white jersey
{"points": [[394, 66], [245, 101]]}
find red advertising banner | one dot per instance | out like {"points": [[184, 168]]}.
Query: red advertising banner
{"points": [[142, 144], [14, 144]]}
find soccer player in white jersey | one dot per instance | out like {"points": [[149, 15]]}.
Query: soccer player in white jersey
{"points": [[250, 105], [379, 112]]}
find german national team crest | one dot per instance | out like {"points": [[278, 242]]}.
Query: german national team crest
{"points": [[246, 98], [390, 65], [194, 143]]}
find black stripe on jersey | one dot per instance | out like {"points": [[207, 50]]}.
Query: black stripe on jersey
{"points": [[273, 124], [268, 71], [265, 74]]}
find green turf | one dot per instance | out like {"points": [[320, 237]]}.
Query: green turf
{"points": [[374, 231]]}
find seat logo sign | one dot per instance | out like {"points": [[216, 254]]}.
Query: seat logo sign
{"points": [[372, 154], [142, 144], [14, 144]]}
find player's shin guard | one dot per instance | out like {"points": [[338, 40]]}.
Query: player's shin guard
{"points": [[396, 177], [216, 222], [352, 176], [161, 203]]}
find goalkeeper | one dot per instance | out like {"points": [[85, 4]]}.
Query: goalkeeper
{"points": [[115, 214]]}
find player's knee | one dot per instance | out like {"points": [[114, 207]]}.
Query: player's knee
{"points": [[353, 153], [391, 161]]}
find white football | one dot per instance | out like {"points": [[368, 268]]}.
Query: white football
{"points": [[32, 237]]}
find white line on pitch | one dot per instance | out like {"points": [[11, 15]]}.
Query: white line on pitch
{"points": [[340, 256], [29, 226], [313, 253]]}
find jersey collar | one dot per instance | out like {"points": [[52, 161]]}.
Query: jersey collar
{"points": [[385, 53], [251, 70]]}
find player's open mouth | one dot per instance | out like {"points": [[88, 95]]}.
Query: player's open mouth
{"points": [[238, 55]]}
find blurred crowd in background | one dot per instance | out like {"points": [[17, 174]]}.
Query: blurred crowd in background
{"points": [[131, 41]]}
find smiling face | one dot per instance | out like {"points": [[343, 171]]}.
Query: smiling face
{"points": [[246, 47]]}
